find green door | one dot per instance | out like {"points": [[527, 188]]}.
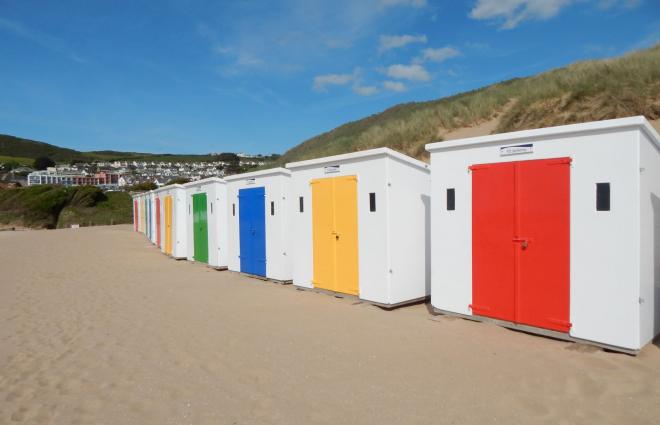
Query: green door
{"points": [[200, 228]]}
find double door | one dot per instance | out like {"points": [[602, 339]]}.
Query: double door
{"points": [[168, 224], [158, 222], [252, 230], [335, 234], [200, 228], [521, 242], [136, 215]]}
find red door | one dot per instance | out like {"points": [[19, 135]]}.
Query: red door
{"points": [[158, 222], [521, 242], [135, 215], [493, 254]]}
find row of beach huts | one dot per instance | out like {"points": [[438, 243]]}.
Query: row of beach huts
{"points": [[553, 231]]}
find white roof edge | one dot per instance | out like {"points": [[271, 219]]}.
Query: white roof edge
{"points": [[169, 186], [202, 181], [562, 130], [357, 155], [259, 173]]}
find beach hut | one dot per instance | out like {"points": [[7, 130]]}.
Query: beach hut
{"points": [[359, 223], [147, 208], [206, 227], [136, 213], [143, 215], [152, 217], [158, 219], [555, 230], [258, 239], [172, 220]]}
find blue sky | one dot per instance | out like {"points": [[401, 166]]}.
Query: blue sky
{"points": [[193, 76]]}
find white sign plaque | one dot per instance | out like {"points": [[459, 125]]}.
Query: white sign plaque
{"points": [[516, 150], [330, 169]]}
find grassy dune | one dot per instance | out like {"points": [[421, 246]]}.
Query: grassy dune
{"points": [[50, 206], [585, 91]]}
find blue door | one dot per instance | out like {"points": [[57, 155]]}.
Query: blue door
{"points": [[252, 229]]}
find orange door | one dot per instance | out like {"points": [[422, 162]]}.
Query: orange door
{"points": [[346, 238], [335, 240], [323, 239], [168, 225]]}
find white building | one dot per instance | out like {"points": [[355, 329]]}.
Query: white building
{"points": [[259, 229], [359, 223], [555, 230], [206, 228]]}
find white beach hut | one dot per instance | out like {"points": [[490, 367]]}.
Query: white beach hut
{"points": [[136, 212], [259, 242], [143, 215], [206, 228], [173, 220], [359, 223], [555, 230], [153, 217]]}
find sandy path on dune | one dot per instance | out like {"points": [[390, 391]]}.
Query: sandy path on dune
{"points": [[98, 327]]}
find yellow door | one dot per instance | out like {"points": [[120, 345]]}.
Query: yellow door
{"points": [[346, 238], [168, 225], [323, 240], [335, 241]]}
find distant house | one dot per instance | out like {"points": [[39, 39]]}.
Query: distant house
{"points": [[71, 178]]}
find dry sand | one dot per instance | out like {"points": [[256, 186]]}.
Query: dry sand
{"points": [[98, 327], [482, 129], [656, 125]]}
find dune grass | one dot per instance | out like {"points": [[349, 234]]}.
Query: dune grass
{"points": [[585, 91], [50, 206]]}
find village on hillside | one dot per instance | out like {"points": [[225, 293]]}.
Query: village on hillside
{"points": [[122, 175]]}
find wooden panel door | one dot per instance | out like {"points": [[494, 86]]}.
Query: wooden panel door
{"points": [[136, 216], [158, 222], [543, 247], [493, 253], [521, 242], [200, 228], [168, 224], [346, 234], [324, 263], [252, 230]]}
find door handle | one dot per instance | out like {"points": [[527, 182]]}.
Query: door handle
{"points": [[524, 242], [336, 235]]}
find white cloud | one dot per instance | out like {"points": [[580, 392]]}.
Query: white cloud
{"points": [[513, 12], [440, 54], [414, 72], [397, 86], [413, 3], [365, 90], [322, 81], [388, 42], [248, 60]]}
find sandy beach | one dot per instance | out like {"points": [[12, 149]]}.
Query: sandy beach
{"points": [[99, 327]]}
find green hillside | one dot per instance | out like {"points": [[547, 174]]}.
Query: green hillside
{"points": [[49, 206], [17, 147], [585, 91], [12, 147]]}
